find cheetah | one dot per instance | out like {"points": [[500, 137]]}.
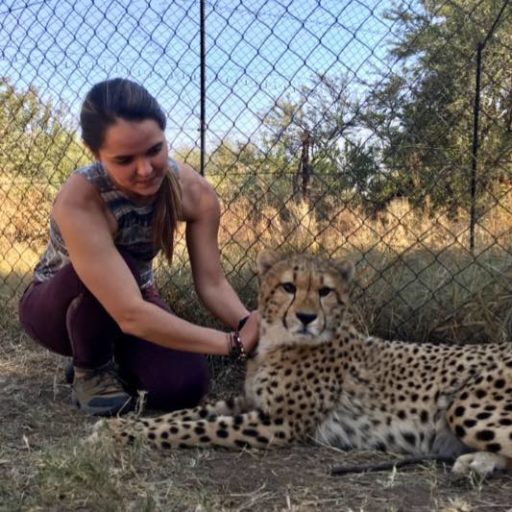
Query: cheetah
{"points": [[315, 377]]}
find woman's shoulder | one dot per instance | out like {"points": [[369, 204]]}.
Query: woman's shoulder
{"points": [[197, 193], [78, 189], [187, 174]]}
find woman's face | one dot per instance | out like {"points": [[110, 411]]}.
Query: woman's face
{"points": [[134, 154]]}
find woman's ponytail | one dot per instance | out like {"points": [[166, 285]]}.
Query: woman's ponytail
{"points": [[168, 212]]}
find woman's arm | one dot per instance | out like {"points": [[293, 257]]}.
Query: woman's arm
{"points": [[84, 225], [202, 213], [210, 282]]}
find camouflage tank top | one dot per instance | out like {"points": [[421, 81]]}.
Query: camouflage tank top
{"points": [[133, 228]]}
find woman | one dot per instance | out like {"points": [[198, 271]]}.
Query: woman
{"points": [[93, 296]]}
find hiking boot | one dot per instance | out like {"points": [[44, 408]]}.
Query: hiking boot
{"points": [[99, 392]]}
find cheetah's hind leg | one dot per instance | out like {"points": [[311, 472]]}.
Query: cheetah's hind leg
{"points": [[481, 417], [482, 463]]}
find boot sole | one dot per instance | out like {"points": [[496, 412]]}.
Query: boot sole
{"points": [[106, 411]]}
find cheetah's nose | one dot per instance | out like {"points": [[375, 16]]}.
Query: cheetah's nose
{"points": [[306, 318]]}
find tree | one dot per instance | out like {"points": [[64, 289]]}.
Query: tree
{"points": [[35, 142], [423, 114], [303, 136]]}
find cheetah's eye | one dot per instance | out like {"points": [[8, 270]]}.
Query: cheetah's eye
{"points": [[288, 287], [325, 290]]}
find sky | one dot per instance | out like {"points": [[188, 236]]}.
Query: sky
{"points": [[258, 51]]}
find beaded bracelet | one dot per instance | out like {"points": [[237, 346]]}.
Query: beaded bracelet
{"points": [[236, 348]]}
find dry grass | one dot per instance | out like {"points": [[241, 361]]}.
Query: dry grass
{"points": [[416, 278], [46, 466]]}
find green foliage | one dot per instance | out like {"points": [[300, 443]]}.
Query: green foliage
{"points": [[35, 142], [424, 116], [309, 146]]}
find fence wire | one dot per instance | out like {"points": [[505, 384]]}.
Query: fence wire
{"points": [[378, 131]]}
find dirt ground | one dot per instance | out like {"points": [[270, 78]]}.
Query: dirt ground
{"points": [[45, 465]]}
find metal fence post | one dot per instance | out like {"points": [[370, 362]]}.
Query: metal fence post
{"points": [[203, 84]]}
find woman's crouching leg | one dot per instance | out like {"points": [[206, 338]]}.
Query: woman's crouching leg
{"points": [[172, 379]]}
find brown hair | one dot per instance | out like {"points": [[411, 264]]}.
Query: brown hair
{"points": [[123, 99]]}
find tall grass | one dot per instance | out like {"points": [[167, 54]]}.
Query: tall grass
{"points": [[416, 278]]}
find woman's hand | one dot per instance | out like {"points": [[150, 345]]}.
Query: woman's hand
{"points": [[249, 334]]}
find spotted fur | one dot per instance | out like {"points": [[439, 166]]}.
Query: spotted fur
{"points": [[315, 377]]}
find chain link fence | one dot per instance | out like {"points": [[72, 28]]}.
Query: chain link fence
{"points": [[378, 131]]}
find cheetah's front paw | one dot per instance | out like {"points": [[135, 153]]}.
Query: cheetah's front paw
{"points": [[119, 429]]}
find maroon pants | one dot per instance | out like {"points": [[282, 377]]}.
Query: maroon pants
{"points": [[63, 316]]}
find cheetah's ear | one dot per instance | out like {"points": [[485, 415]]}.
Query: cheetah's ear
{"points": [[346, 268], [265, 259]]}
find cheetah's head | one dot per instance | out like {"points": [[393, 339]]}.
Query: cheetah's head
{"points": [[302, 299]]}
